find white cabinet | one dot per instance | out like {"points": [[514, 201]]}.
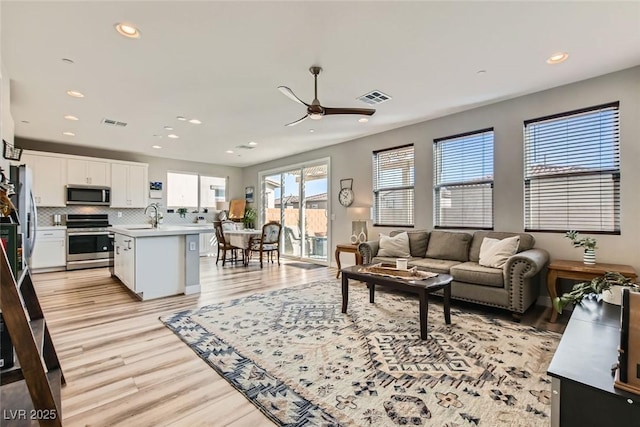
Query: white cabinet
{"points": [[129, 185], [50, 251], [49, 179], [88, 172], [208, 244], [124, 261]]}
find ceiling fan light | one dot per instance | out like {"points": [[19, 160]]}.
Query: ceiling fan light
{"points": [[315, 116]]}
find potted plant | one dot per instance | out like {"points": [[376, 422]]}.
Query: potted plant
{"points": [[600, 285], [250, 216], [588, 243], [182, 212]]}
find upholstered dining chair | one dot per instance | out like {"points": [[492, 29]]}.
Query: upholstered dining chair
{"points": [[224, 245], [268, 242]]}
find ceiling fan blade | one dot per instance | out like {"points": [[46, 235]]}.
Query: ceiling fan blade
{"points": [[289, 94], [297, 121], [361, 111]]}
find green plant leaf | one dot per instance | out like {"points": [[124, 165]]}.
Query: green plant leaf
{"points": [[557, 305]]}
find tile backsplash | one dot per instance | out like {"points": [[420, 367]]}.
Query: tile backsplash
{"points": [[129, 216]]}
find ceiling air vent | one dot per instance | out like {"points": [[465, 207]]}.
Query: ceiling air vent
{"points": [[374, 97], [245, 147], [111, 122]]}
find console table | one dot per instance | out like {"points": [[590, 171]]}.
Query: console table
{"points": [[577, 270], [347, 248], [582, 382]]}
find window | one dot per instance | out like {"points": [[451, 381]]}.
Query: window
{"points": [[182, 190], [212, 190], [572, 171], [463, 190], [189, 190], [393, 181]]}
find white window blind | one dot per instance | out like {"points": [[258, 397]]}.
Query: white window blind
{"points": [[393, 186], [572, 171], [463, 190], [182, 190]]}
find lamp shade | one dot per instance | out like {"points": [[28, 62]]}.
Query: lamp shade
{"points": [[361, 213], [222, 206]]}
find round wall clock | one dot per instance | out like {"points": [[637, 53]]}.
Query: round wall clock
{"points": [[345, 196]]}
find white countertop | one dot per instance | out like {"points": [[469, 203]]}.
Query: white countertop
{"points": [[145, 230], [51, 227]]}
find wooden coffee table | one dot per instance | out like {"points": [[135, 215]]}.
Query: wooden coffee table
{"points": [[422, 288]]}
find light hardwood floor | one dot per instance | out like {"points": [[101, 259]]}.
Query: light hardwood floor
{"points": [[124, 367]]}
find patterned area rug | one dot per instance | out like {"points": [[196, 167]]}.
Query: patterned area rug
{"points": [[302, 362]]}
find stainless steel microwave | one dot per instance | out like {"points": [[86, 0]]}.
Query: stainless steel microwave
{"points": [[88, 195]]}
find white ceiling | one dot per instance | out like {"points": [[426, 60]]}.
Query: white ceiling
{"points": [[221, 62]]}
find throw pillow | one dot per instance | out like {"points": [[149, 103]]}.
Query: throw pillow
{"points": [[452, 246], [494, 252], [397, 246], [418, 240]]}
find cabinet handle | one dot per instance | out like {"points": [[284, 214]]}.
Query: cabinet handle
{"points": [[117, 250], [47, 234]]}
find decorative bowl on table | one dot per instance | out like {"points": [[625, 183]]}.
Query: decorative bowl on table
{"points": [[389, 270]]}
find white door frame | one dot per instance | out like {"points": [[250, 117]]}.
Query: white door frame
{"points": [[288, 168]]}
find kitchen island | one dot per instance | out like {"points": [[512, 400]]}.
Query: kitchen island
{"points": [[158, 262]]}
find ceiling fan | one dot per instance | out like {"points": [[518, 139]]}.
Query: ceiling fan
{"points": [[315, 111]]}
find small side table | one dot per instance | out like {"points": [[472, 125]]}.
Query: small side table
{"points": [[577, 270], [350, 249]]}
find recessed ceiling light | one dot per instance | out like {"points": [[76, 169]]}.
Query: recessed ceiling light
{"points": [[69, 133], [67, 61], [481, 72], [75, 94], [195, 121], [156, 135], [182, 119], [557, 58], [173, 136], [157, 147], [253, 143], [127, 30], [363, 120], [168, 128], [229, 151], [70, 117], [26, 122], [311, 130]]}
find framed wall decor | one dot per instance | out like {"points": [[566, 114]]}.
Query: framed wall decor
{"points": [[248, 194]]}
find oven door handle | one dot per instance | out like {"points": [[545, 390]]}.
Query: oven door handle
{"points": [[89, 233]]}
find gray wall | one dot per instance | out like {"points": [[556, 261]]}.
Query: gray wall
{"points": [[353, 160]]}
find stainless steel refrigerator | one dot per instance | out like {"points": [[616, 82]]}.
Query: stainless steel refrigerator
{"points": [[25, 204]]}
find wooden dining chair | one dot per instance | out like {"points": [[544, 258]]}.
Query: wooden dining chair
{"points": [[224, 246], [268, 242]]}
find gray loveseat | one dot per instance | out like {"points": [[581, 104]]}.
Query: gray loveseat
{"points": [[514, 287]]}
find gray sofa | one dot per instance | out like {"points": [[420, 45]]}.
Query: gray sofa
{"points": [[513, 287]]}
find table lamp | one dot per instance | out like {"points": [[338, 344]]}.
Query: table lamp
{"points": [[359, 216], [223, 208]]}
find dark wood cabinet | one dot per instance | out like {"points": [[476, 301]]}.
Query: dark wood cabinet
{"points": [[582, 378]]}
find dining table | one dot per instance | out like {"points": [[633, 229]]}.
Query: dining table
{"points": [[241, 239]]}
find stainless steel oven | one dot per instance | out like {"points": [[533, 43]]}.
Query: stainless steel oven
{"points": [[89, 244]]}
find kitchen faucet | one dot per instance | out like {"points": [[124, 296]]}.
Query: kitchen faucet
{"points": [[155, 219]]}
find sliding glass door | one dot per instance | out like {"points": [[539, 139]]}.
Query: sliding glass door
{"points": [[297, 197]]}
